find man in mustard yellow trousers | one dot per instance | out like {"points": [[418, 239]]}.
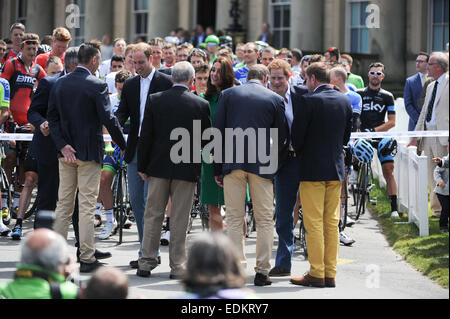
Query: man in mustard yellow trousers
{"points": [[322, 125]]}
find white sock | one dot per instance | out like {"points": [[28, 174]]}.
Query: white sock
{"points": [[16, 199], [4, 201], [98, 209], [109, 215]]}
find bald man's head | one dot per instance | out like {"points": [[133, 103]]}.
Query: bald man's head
{"points": [[45, 248]]}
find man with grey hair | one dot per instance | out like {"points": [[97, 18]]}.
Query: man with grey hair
{"points": [[44, 266], [434, 117], [171, 167]]}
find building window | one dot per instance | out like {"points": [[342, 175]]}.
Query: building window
{"points": [[140, 20], [78, 33], [280, 13], [22, 11], [358, 32], [439, 24]]}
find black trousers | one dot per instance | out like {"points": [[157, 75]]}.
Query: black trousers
{"points": [[444, 200]]}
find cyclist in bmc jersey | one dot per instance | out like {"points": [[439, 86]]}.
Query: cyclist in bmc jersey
{"points": [[376, 104], [22, 74]]}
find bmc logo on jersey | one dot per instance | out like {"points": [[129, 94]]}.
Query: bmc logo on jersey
{"points": [[373, 107], [28, 79]]}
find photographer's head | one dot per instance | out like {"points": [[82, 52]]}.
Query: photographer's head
{"points": [[46, 249]]}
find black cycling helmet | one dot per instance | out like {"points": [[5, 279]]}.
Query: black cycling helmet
{"points": [[43, 48]]}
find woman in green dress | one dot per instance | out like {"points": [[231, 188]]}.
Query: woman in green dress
{"points": [[221, 77]]}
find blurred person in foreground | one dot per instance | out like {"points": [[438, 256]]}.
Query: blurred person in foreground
{"points": [[44, 269], [214, 270]]}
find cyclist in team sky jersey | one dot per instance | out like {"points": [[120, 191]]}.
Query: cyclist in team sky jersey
{"points": [[376, 104], [22, 74]]}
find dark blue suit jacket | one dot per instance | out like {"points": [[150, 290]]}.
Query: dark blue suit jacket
{"points": [[79, 105], [321, 127], [413, 89], [251, 106], [45, 148]]}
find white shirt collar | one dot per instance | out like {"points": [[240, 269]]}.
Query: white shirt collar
{"points": [[150, 76], [82, 67]]}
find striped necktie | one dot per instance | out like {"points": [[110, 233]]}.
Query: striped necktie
{"points": [[431, 104]]}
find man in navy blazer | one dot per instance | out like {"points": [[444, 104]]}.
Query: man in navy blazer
{"points": [[253, 109], [321, 128], [79, 106], [413, 89]]}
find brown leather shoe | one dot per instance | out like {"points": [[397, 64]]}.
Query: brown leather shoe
{"points": [[309, 281], [330, 282]]}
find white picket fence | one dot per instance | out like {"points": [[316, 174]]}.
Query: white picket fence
{"points": [[412, 181]]}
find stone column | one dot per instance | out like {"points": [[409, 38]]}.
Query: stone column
{"points": [[307, 24], [334, 24], [40, 17], [416, 33], [98, 19], [257, 14], [223, 19], [163, 17], [121, 26], [389, 42]]}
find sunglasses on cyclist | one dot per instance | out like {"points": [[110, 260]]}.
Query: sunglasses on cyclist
{"points": [[373, 73], [29, 42]]}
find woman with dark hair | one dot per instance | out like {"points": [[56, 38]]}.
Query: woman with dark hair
{"points": [[214, 271], [221, 77]]}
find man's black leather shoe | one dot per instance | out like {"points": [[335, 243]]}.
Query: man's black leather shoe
{"points": [[262, 280], [98, 255], [143, 273], [87, 268], [135, 263]]}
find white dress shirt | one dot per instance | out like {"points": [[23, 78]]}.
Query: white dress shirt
{"points": [[145, 87]]}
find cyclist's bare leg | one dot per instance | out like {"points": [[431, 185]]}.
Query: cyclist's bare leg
{"points": [[105, 194], [215, 218], [8, 164], [31, 179], [388, 173]]}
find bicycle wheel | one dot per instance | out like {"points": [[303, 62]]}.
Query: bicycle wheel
{"points": [[31, 210], [204, 216], [362, 188], [5, 188], [302, 238], [250, 220], [119, 206], [344, 212]]}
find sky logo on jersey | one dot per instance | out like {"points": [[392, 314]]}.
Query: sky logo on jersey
{"points": [[373, 107], [28, 79]]}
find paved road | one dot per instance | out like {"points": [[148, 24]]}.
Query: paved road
{"points": [[369, 269]]}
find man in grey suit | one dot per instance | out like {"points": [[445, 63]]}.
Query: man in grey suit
{"points": [[166, 113], [434, 117], [78, 107]]}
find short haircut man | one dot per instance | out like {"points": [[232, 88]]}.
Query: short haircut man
{"points": [[319, 71], [61, 34], [280, 64], [54, 65], [87, 51]]}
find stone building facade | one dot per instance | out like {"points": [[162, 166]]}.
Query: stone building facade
{"points": [[392, 31]]}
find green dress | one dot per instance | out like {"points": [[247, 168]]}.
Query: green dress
{"points": [[211, 193]]}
